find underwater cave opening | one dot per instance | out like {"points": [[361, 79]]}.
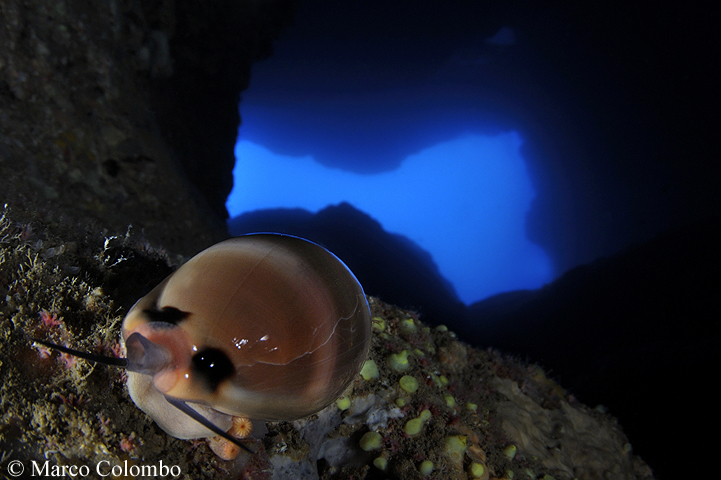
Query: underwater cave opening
{"points": [[463, 200]]}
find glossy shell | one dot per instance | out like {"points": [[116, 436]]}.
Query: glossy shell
{"points": [[288, 315]]}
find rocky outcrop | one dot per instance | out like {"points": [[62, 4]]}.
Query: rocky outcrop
{"points": [[109, 111], [617, 332]]}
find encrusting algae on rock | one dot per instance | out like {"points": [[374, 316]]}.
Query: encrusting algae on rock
{"points": [[424, 406]]}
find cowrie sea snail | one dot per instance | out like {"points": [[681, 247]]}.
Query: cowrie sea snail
{"points": [[262, 326]]}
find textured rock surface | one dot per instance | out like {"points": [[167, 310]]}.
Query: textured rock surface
{"points": [[457, 412], [104, 106]]}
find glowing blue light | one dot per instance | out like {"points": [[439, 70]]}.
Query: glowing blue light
{"points": [[464, 201]]}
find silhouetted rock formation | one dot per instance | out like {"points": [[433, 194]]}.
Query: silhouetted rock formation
{"points": [[636, 332], [212, 48]]}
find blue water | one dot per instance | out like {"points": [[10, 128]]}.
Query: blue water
{"points": [[463, 200]]}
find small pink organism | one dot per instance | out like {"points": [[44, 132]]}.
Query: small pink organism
{"points": [[73, 401], [117, 350], [68, 360], [127, 444], [44, 352], [50, 320], [105, 427]]}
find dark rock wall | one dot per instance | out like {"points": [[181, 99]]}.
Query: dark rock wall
{"points": [[622, 99], [212, 50], [636, 332], [107, 109]]}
